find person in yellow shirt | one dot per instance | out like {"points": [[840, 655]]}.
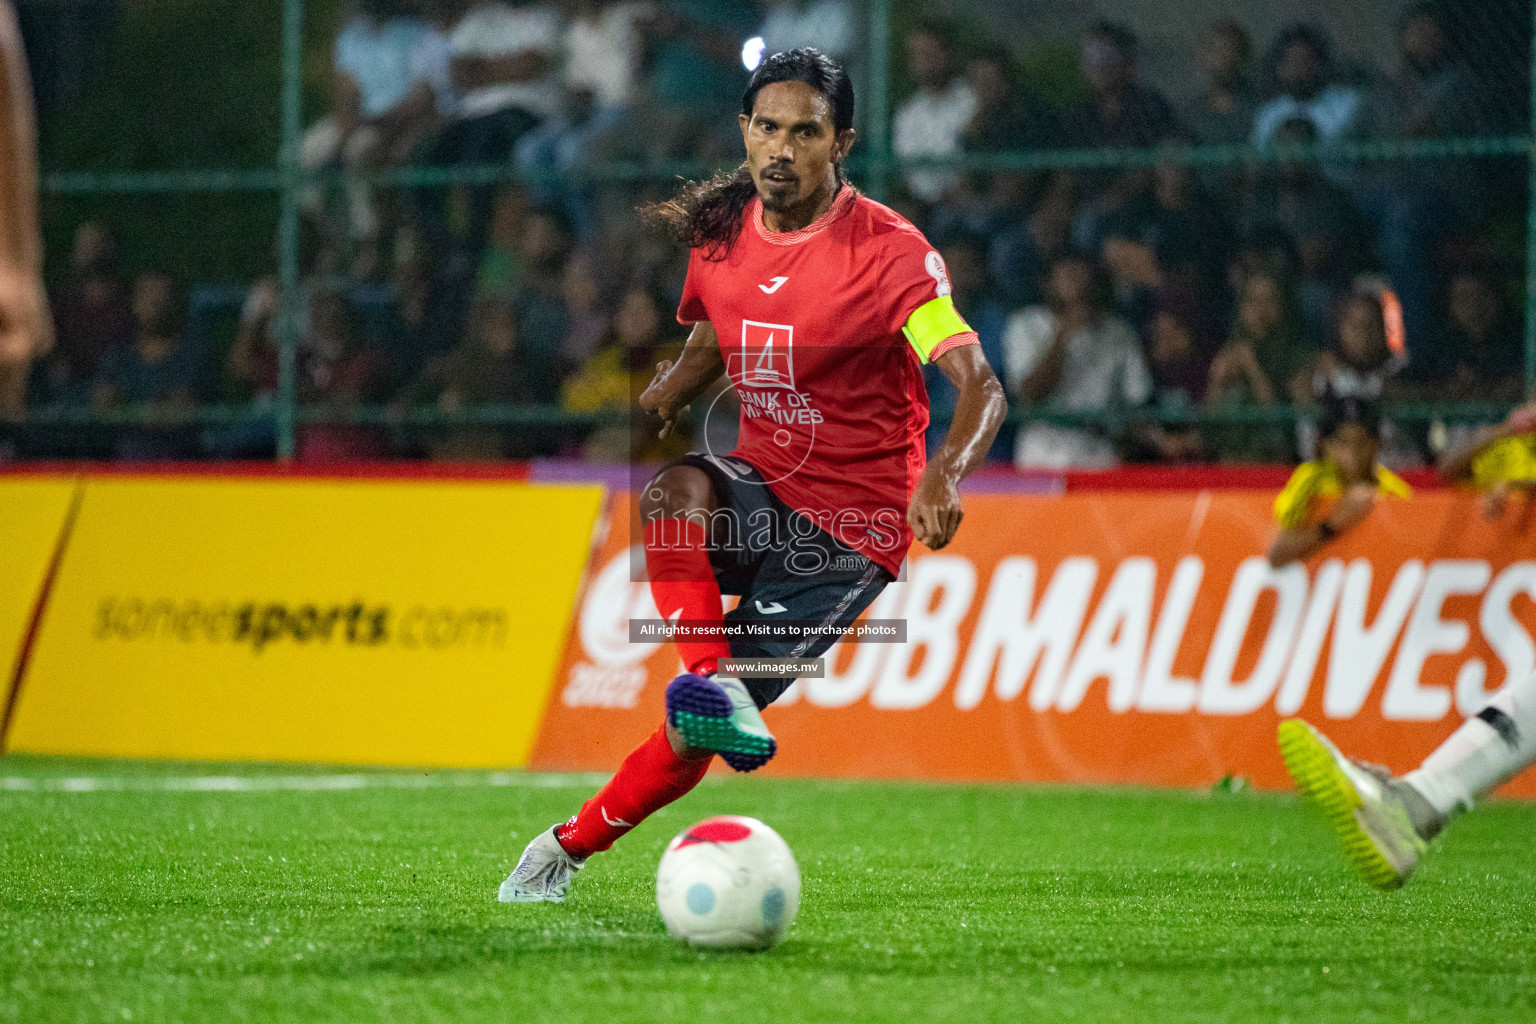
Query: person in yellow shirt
{"points": [[1330, 496], [612, 378], [1497, 461]]}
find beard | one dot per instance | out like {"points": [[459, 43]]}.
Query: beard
{"points": [[776, 199]]}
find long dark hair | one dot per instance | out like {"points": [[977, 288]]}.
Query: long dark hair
{"points": [[707, 214]]}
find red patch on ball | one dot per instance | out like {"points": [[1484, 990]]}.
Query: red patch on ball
{"points": [[715, 830]]}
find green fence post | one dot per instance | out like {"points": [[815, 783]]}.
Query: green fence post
{"points": [[879, 123], [288, 228]]}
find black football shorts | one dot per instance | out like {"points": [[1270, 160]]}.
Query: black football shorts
{"points": [[783, 566]]}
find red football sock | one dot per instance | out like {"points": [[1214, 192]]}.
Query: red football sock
{"points": [[652, 776], [681, 578]]}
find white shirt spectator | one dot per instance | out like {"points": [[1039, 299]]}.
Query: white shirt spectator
{"points": [[603, 52], [385, 60], [929, 124], [430, 63], [496, 29], [1104, 366], [827, 25], [1334, 112]]}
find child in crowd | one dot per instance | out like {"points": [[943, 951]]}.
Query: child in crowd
{"points": [[614, 377], [1330, 496], [1497, 461]]}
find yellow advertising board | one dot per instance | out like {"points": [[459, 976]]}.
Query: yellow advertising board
{"points": [[403, 623], [32, 512]]}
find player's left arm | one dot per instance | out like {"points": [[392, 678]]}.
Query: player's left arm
{"points": [[1298, 541], [1456, 462], [935, 511]]}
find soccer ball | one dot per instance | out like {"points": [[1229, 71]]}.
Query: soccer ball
{"points": [[728, 883]]}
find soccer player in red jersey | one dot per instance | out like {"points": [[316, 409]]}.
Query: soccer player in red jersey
{"points": [[822, 307]]}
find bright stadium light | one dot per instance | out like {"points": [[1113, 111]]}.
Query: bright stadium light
{"points": [[752, 53]]}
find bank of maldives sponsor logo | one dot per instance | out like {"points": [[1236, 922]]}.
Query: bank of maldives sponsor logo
{"points": [[259, 625], [766, 358], [1280, 637]]}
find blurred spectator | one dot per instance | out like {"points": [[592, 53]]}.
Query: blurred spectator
{"points": [[1007, 118], [340, 371], [1164, 235], [587, 320], [1178, 347], [1301, 69], [1078, 356], [1223, 110], [335, 367], [614, 377], [1435, 94], [930, 123], [576, 137], [415, 334], [501, 266], [1021, 256], [1361, 364], [503, 64], [1320, 220], [828, 25], [91, 313], [540, 297], [1121, 110], [252, 360], [156, 370], [1266, 359], [965, 261], [390, 74], [1476, 355], [1179, 357], [1417, 206], [483, 369], [696, 76], [604, 48]]}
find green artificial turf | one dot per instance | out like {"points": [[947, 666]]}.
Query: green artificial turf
{"points": [[921, 903]]}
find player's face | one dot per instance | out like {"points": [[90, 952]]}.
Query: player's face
{"points": [[1354, 450], [792, 145], [1261, 310], [1361, 334]]}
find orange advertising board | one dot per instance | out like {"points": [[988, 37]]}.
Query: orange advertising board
{"points": [[1117, 637]]}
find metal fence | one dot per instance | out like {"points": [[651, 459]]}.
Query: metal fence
{"points": [[874, 169]]}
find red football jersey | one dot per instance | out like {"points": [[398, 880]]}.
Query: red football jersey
{"points": [[833, 406]]}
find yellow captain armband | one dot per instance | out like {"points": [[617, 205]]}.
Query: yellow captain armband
{"points": [[931, 323]]}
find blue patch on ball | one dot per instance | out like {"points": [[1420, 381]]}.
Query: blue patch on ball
{"points": [[701, 899], [773, 906]]}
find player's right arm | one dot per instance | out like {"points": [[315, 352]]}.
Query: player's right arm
{"points": [[676, 385]]}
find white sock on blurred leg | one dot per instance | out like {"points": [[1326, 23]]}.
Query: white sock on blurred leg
{"points": [[1490, 748]]}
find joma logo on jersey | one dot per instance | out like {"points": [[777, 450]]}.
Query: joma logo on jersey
{"points": [[767, 356]]}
